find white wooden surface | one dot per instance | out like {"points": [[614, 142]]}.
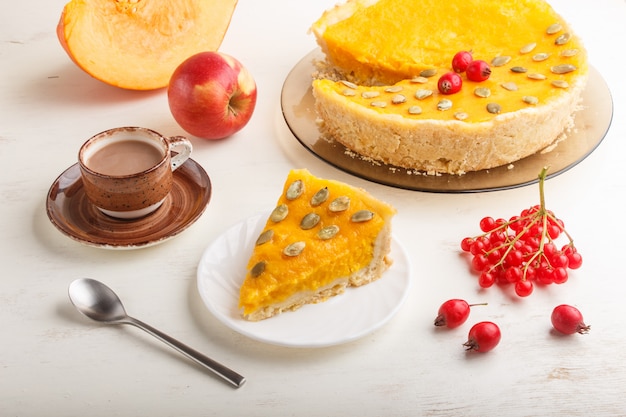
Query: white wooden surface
{"points": [[55, 362]]}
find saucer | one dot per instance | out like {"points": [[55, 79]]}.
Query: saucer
{"points": [[70, 211]]}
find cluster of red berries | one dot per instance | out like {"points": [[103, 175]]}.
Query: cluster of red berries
{"points": [[522, 250], [463, 61], [485, 335]]}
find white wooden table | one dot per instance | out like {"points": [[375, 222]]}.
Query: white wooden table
{"points": [[55, 362]]}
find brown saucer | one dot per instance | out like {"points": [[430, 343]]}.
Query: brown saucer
{"points": [[591, 125], [70, 211]]}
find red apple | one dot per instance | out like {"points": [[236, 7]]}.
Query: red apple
{"points": [[212, 95]]}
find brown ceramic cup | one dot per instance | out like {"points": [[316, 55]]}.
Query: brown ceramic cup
{"points": [[128, 171]]}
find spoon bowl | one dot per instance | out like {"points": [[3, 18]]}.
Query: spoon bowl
{"points": [[98, 302]]}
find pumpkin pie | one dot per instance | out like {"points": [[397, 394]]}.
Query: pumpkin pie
{"points": [[322, 236], [376, 91]]}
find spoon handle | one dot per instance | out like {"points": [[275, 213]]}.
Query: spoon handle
{"points": [[219, 369]]}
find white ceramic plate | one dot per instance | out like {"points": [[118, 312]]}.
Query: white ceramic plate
{"points": [[344, 318]]}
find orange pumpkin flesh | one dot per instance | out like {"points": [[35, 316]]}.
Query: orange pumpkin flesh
{"points": [[137, 44]]}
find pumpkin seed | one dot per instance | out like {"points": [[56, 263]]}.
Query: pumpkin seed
{"points": [[348, 92], [295, 190], [560, 84], [279, 213], [319, 197], [328, 232], [527, 48], [494, 108], [510, 86], [398, 99], [541, 57], [258, 269], [294, 249], [340, 203], [461, 115], [309, 221], [562, 39], [362, 216], [530, 100], [519, 70], [483, 92], [500, 61], [536, 76], [380, 104], [563, 68], [569, 52], [427, 73], [370, 94], [393, 89], [348, 84], [264, 237], [554, 28], [415, 110], [421, 94], [444, 105], [419, 80]]}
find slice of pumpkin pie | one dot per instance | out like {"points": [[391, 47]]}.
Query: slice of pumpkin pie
{"points": [[322, 236]]}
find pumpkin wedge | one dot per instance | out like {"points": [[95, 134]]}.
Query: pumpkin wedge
{"points": [[137, 44]]}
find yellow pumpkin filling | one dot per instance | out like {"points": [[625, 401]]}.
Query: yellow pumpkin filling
{"points": [[533, 58], [392, 40], [302, 254]]}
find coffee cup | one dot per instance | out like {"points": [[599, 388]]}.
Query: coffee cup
{"points": [[127, 172]]}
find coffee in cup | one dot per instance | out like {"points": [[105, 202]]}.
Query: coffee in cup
{"points": [[128, 171]]}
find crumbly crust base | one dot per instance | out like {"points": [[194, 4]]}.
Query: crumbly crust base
{"points": [[381, 261], [450, 147]]}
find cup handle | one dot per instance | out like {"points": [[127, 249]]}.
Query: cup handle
{"points": [[183, 146]]}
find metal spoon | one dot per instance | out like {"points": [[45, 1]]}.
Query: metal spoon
{"points": [[98, 302]]}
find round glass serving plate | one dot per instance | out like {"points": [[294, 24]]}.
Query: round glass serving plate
{"points": [[591, 125]]}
